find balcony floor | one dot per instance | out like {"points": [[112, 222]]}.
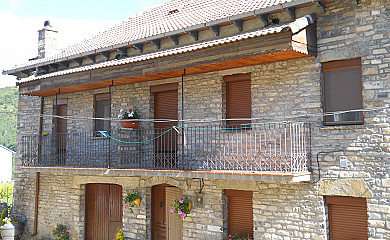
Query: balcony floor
{"points": [[234, 175]]}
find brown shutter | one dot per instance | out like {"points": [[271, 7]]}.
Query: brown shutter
{"points": [[238, 98], [166, 107], [347, 218], [240, 212], [343, 89], [175, 222], [115, 209]]}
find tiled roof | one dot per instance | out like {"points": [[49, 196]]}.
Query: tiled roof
{"points": [[158, 20], [294, 26]]}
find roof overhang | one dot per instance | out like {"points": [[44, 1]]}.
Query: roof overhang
{"points": [[267, 45]]}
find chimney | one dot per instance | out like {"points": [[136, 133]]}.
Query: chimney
{"points": [[47, 41]]}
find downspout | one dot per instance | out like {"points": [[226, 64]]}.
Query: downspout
{"points": [[109, 125], [37, 176], [182, 117]]}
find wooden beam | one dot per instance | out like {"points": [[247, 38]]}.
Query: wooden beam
{"points": [[157, 43], [105, 54], [195, 35], [64, 64], [79, 61], [321, 5], [122, 50], [215, 29], [238, 24], [175, 39], [91, 57], [291, 12], [263, 18], [140, 47]]}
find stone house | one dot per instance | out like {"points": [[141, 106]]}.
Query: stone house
{"points": [[6, 156], [270, 116]]}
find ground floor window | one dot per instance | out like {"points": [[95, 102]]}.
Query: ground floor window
{"points": [[347, 218], [240, 212]]}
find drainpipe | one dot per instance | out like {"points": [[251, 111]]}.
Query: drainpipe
{"points": [[182, 117], [109, 125], [37, 176]]}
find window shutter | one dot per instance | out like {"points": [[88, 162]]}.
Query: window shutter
{"points": [[238, 98], [347, 218], [240, 212], [343, 90]]}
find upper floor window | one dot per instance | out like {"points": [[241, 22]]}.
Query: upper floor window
{"points": [[342, 91], [238, 98], [102, 110]]}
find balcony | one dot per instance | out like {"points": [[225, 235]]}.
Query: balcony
{"points": [[271, 151]]}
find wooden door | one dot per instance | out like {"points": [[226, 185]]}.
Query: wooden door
{"points": [[62, 128], [103, 211], [165, 107], [165, 225], [175, 222]]}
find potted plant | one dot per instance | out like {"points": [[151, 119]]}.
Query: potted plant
{"points": [[128, 115], [131, 200], [13, 227], [182, 207]]}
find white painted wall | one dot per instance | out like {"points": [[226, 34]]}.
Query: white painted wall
{"points": [[5, 164]]}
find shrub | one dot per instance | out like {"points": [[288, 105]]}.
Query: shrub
{"points": [[61, 232], [119, 234]]}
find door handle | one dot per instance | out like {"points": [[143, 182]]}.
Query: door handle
{"points": [[161, 204]]}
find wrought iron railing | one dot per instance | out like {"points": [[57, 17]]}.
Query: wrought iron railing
{"points": [[282, 147]]}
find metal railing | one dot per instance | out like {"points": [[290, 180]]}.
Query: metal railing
{"points": [[282, 147]]}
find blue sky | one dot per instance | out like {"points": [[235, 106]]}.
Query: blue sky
{"points": [[75, 20]]}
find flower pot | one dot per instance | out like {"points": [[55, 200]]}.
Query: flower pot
{"points": [[129, 124], [189, 205], [137, 201]]}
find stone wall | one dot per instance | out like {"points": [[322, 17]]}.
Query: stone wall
{"points": [[289, 90]]}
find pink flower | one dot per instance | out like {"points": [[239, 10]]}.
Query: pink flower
{"points": [[179, 212], [172, 210], [230, 239], [230, 235], [67, 231], [183, 215], [181, 201], [126, 207]]}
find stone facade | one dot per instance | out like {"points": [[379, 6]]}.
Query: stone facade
{"points": [[283, 91]]}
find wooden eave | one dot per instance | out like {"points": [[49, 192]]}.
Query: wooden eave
{"points": [[255, 51]]}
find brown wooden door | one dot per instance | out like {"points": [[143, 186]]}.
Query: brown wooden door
{"points": [[240, 212], [103, 211], [165, 107], [165, 225], [159, 224]]}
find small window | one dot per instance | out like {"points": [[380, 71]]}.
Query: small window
{"points": [[238, 98], [347, 218], [240, 212], [102, 110], [342, 91]]}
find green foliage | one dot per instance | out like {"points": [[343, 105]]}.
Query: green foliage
{"points": [[61, 232], [119, 234], [129, 200], [238, 237], [182, 207], [6, 193], [4, 214], [8, 102]]}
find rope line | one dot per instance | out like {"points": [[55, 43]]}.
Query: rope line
{"points": [[118, 140]]}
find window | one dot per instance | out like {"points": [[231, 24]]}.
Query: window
{"points": [[342, 91], [347, 218], [102, 110], [240, 212], [238, 98]]}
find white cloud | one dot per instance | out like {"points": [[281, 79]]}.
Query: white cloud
{"points": [[19, 37]]}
